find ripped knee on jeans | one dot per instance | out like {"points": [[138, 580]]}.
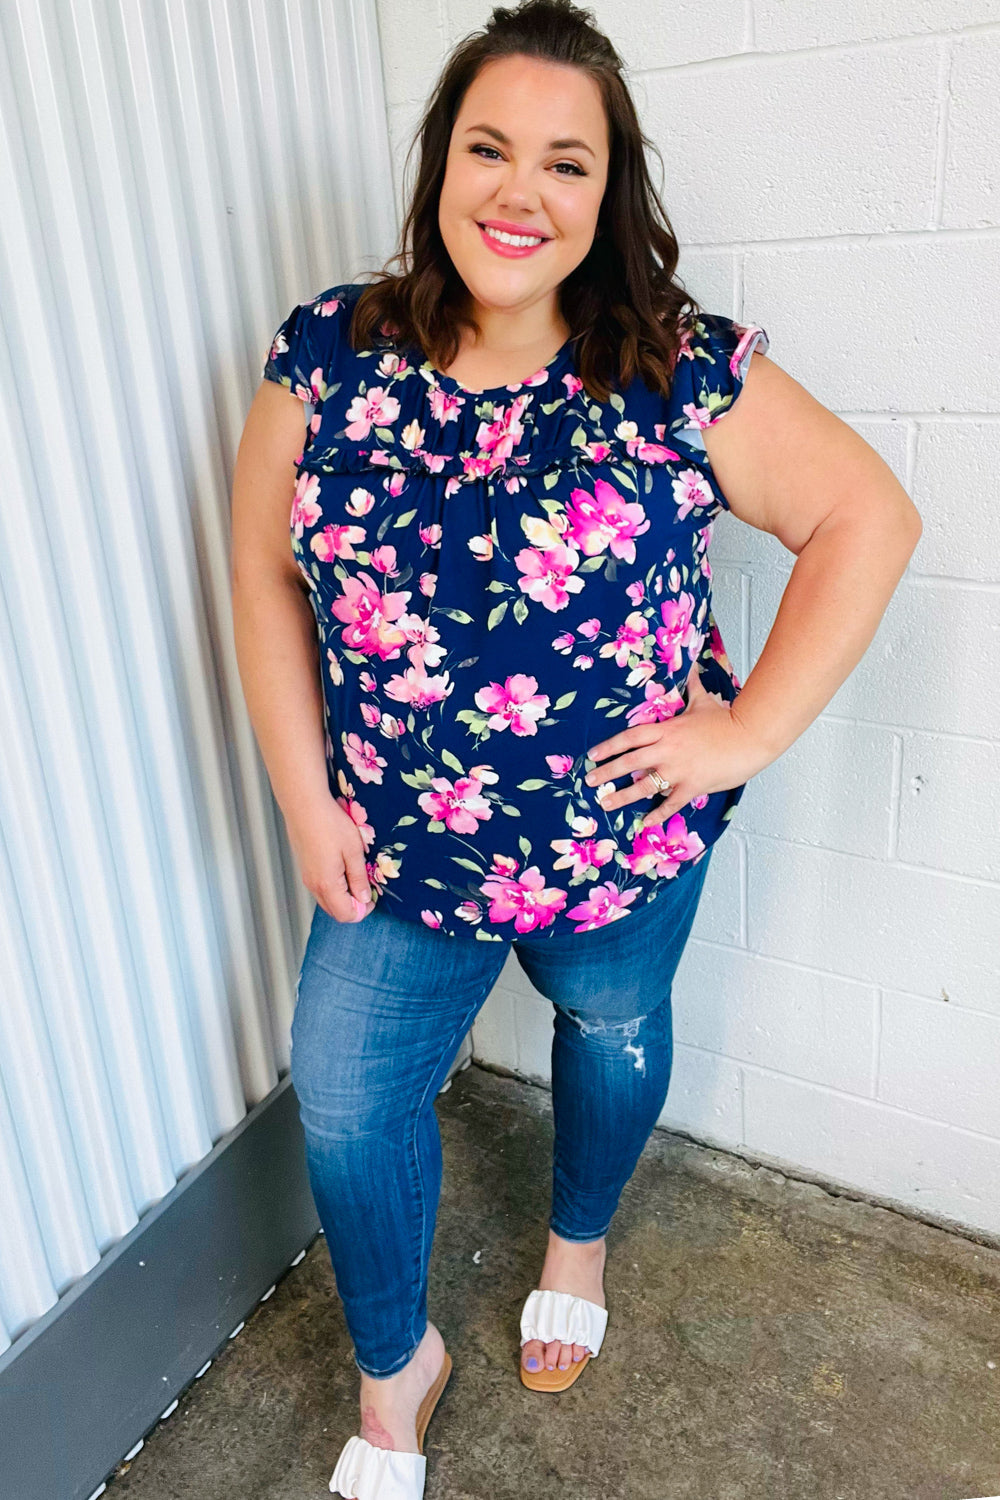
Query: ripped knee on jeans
{"points": [[626, 1030]]}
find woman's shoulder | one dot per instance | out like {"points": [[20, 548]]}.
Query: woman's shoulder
{"points": [[311, 338], [713, 338], [712, 363]]}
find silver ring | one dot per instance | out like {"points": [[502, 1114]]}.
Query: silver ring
{"points": [[663, 787]]}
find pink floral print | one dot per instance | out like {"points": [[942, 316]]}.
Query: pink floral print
{"points": [[605, 519], [370, 615], [459, 807], [606, 904], [548, 576], [527, 900], [515, 703]]}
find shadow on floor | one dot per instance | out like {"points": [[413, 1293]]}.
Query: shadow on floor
{"points": [[765, 1339]]}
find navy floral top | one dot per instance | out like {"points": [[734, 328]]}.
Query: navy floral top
{"points": [[502, 579]]}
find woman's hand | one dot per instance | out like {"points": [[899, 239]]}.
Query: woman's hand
{"points": [[331, 858], [704, 749]]}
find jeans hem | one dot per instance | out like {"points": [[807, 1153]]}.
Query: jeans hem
{"points": [[400, 1364], [579, 1239]]}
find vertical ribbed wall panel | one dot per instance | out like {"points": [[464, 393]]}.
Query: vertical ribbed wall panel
{"points": [[174, 176]]}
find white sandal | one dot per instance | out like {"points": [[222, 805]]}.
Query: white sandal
{"points": [[572, 1320], [364, 1472], [369, 1473]]}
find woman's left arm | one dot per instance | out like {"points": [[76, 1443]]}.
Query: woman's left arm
{"points": [[789, 466]]}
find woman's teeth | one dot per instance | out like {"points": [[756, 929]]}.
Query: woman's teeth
{"points": [[513, 239]]}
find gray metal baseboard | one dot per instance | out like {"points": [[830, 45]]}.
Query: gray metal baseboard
{"points": [[96, 1373]]}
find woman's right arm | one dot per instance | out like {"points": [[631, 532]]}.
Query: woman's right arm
{"points": [[277, 654]]}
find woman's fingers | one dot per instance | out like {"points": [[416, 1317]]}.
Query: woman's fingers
{"points": [[357, 875], [331, 859], [637, 764], [346, 895], [336, 900]]}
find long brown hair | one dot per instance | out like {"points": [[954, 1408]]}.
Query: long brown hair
{"points": [[622, 302]]}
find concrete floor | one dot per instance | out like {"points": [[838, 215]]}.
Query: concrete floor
{"points": [[765, 1339]]}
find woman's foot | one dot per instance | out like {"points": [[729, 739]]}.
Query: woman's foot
{"points": [[389, 1407], [569, 1267]]}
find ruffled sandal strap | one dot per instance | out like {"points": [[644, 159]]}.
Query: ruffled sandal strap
{"points": [[371, 1473], [559, 1315]]}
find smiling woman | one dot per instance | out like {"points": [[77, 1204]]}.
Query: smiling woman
{"points": [[531, 131], [523, 200], [475, 627]]}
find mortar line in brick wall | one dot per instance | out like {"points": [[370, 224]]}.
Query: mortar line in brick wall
{"points": [[941, 155], [866, 984], [749, 27], [908, 729], [784, 963], [895, 796], [746, 585], [871, 859], [876, 1041], [829, 1088], [959, 1006], [926, 580], [895, 417], [912, 451], [877, 992], [859, 237], [925, 418], [849, 1094], [748, 58], [763, 569]]}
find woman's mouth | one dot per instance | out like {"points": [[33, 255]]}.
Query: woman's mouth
{"points": [[500, 242]]}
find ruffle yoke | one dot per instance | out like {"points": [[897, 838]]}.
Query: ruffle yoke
{"points": [[410, 417]]}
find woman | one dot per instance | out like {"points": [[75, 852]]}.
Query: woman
{"points": [[484, 673]]}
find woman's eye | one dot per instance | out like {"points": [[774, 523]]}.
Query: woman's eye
{"points": [[575, 170]]}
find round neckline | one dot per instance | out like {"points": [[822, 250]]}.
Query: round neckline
{"points": [[449, 383]]}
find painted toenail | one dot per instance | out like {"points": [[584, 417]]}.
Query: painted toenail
{"points": [[532, 1363], [564, 1367]]}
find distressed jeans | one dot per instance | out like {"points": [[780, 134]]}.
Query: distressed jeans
{"points": [[381, 1008]]}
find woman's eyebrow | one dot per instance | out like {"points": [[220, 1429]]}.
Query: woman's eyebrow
{"points": [[504, 140]]}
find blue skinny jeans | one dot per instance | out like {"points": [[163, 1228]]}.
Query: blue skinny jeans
{"points": [[381, 1008]]}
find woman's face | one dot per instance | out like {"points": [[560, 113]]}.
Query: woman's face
{"points": [[506, 165]]}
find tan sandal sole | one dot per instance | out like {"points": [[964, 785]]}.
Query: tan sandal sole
{"points": [[554, 1380], [427, 1405]]}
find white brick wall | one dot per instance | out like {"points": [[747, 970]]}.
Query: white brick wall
{"points": [[831, 170]]}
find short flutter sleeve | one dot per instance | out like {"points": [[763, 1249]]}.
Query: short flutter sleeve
{"points": [[302, 352], [712, 366]]}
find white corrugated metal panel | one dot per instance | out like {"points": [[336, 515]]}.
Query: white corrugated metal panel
{"points": [[174, 177]]}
